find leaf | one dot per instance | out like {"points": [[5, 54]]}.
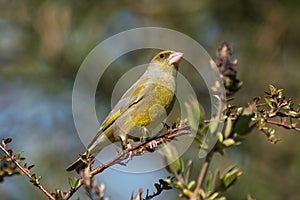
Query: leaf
{"points": [[191, 185], [292, 112], [213, 196], [187, 171], [209, 183], [213, 125], [202, 193], [230, 176], [187, 192], [244, 123], [272, 89], [269, 102], [279, 92], [228, 142], [77, 183], [220, 137], [227, 131], [174, 164], [71, 182], [195, 113]]}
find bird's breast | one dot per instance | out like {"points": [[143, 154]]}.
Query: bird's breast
{"points": [[153, 105]]}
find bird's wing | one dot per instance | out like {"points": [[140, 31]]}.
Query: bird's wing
{"points": [[131, 97]]}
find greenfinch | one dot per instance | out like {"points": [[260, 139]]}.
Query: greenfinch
{"points": [[141, 108]]}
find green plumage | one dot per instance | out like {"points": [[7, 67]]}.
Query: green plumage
{"points": [[144, 104]]}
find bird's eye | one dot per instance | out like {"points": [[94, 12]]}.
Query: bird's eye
{"points": [[162, 55]]}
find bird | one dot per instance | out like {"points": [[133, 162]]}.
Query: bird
{"points": [[141, 107]]}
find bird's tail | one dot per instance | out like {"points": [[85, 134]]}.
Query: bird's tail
{"points": [[99, 142], [78, 165]]}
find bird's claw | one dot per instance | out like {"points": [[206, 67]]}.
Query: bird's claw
{"points": [[129, 157], [152, 145], [126, 155]]}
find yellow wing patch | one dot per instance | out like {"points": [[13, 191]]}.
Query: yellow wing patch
{"points": [[114, 116], [110, 120]]}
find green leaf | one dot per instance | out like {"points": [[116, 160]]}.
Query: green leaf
{"points": [[291, 112], [279, 92], [174, 164], [230, 176], [71, 182], [228, 142], [244, 123], [213, 196], [195, 113], [77, 183], [220, 136], [213, 125], [272, 89], [269, 102], [209, 183], [227, 131], [191, 185], [187, 192], [187, 171]]}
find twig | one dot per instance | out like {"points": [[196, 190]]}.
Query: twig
{"points": [[161, 138], [287, 126], [136, 150], [210, 154], [286, 114], [204, 169], [27, 173]]}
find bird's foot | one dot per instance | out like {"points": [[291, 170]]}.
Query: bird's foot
{"points": [[152, 145], [129, 154], [125, 154], [166, 125]]}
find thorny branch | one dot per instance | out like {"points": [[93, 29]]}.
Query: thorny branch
{"points": [[24, 169], [136, 150], [287, 126]]}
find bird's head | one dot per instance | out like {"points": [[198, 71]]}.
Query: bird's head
{"points": [[168, 58]]}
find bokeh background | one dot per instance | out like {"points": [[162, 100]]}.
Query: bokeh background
{"points": [[43, 43]]}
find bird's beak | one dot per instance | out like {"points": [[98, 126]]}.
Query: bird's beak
{"points": [[175, 57]]}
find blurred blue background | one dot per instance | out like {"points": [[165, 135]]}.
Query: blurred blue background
{"points": [[43, 43]]}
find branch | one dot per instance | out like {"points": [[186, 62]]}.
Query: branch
{"points": [[24, 169], [287, 126], [204, 169], [136, 150], [286, 114]]}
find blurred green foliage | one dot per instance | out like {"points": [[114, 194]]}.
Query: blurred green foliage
{"points": [[42, 44]]}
